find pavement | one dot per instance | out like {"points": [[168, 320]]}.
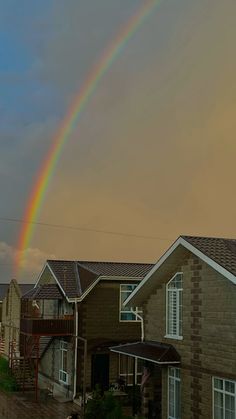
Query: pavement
{"points": [[24, 406]]}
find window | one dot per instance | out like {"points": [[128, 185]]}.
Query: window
{"points": [[63, 375], [128, 313], [126, 369], [174, 393], [224, 399], [174, 296]]}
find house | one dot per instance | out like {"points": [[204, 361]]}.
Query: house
{"points": [[189, 346], [78, 305], [11, 308], [3, 290]]}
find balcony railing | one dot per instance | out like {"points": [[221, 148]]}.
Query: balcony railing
{"points": [[54, 326]]}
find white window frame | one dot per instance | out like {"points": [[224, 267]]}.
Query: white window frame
{"points": [[135, 311], [176, 379], [177, 336], [224, 392], [63, 375], [130, 374]]}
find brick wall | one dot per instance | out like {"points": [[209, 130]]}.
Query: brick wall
{"points": [[208, 347]]}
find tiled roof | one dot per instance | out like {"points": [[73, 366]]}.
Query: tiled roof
{"points": [[76, 276], [221, 251], [159, 353], [136, 270], [25, 287], [44, 292], [66, 273]]}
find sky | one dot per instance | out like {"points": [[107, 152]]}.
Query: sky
{"points": [[153, 152]]}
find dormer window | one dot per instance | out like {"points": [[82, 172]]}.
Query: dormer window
{"points": [[174, 297]]}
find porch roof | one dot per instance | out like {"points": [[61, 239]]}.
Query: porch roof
{"points": [[44, 292], [156, 352]]}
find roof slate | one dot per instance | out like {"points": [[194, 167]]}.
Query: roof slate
{"points": [[75, 277], [221, 251], [44, 292], [25, 287]]}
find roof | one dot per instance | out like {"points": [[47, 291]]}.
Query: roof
{"points": [[157, 352], [77, 277], [3, 290], [44, 292], [219, 253], [25, 287], [222, 251]]}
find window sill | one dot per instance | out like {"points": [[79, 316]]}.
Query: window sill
{"points": [[173, 337], [130, 321]]}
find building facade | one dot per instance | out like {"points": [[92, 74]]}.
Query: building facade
{"points": [[80, 308], [189, 306]]}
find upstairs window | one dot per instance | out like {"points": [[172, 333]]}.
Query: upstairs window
{"points": [[224, 396], [128, 313], [174, 315]]}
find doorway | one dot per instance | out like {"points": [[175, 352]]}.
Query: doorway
{"points": [[100, 371]]}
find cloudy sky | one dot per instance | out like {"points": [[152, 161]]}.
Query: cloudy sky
{"points": [[154, 151]]}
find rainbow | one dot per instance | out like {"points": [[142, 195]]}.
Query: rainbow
{"points": [[47, 169]]}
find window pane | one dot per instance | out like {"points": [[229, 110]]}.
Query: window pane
{"points": [[229, 407], [177, 399], [174, 393], [218, 383], [230, 387], [218, 405]]}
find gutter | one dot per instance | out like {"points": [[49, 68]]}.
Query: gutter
{"points": [[76, 349], [142, 324]]}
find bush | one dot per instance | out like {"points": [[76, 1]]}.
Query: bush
{"points": [[3, 365], [103, 407], [7, 381]]}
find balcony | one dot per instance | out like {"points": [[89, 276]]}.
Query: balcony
{"points": [[59, 326]]}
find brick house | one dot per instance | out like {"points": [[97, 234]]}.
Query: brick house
{"points": [[3, 290], [79, 306], [189, 347], [11, 308]]}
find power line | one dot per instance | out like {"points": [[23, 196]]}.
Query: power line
{"points": [[92, 230]]}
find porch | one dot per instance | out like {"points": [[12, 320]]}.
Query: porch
{"points": [[156, 358]]}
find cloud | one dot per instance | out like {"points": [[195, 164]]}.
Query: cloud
{"points": [[33, 260]]}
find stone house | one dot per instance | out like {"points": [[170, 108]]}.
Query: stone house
{"points": [[11, 308], [78, 305], [3, 290], [189, 346]]}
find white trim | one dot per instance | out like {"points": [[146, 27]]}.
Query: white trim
{"points": [[54, 276], [224, 392], [40, 274], [102, 278], [181, 241], [132, 310], [177, 291], [141, 357], [173, 337], [130, 374], [168, 392]]}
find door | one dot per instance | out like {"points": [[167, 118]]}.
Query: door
{"points": [[100, 371]]}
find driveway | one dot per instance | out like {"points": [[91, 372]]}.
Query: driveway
{"points": [[19, 406]]}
